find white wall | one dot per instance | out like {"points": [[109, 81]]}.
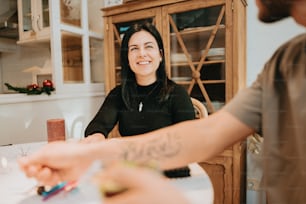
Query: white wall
{"points": [[263, 39], [26, 121]]}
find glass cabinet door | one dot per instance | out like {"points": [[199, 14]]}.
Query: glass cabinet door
{"points": [[95, 20], [34, 23], [197, 53], [95, 25], [96, 62], [72, 57], [72, 44], [26, 15], [71, 12], [81, 41], [43, 12]]}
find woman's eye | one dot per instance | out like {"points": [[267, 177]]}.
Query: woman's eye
{"points": [[149, 46], [133, 48]]}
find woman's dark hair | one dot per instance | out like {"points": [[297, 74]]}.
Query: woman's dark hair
{"points": [[128, 79]]}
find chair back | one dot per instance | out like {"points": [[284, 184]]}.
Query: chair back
{"points": [[199, 108]]}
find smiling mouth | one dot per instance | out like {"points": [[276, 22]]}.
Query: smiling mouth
{"points": [[143, 62]]}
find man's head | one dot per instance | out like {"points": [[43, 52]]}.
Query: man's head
{"points": [[273, 10]]}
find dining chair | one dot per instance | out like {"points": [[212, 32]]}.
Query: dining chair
{"points": [[199, 108], [114, 132]]}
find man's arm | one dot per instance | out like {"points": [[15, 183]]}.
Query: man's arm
{"points": [[186, 142], [172, 146]]}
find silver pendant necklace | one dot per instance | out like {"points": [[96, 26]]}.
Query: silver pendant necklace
{"points": [[140, 105]]}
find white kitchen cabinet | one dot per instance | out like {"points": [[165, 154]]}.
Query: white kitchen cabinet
{"points": [[73, 32], [77, 45], [33, 20]]}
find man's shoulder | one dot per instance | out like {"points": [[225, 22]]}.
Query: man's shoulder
{"points": [[299, 38], [290, 50], [298, 41]]}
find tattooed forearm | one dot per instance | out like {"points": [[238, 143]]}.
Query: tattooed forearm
{"points": [[154, 149]]}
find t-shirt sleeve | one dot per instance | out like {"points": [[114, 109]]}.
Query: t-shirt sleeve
{"points": [[107, 116], [247, 105], [182, 108]]}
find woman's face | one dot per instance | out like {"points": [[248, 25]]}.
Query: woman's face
{"points": [[144, 57]]}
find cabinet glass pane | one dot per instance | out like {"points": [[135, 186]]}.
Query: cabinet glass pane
{"points": [[96, 60], [72, 58], [119, 31], [197, 47], [34, 20], [71, 12], [95, 21], [27, 15], [45, 13]]}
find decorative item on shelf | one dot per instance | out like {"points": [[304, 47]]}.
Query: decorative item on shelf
{"points": [[73, 7], [179, 58], [215, 53], [40, 73], [179, 78], [34, 89]]}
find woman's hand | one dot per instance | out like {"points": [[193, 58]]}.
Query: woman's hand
{"points": [[96, 137]]}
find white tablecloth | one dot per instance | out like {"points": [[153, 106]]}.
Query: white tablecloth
{"points": [[16, 188]]}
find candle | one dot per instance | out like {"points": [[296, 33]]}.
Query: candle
{"points": [[56, 129]]}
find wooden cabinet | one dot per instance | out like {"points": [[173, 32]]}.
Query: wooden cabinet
{"points": [[33, 20], [205, 49]]}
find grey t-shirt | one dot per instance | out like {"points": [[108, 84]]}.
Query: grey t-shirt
{"points": [[275, 106]]}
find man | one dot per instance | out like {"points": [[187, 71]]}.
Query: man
{"points": [[274, 106]]}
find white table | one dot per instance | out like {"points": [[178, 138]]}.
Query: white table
{"points": [[16, 188]]}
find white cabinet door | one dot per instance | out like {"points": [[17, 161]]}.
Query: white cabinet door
{"points": [[33, 19]]}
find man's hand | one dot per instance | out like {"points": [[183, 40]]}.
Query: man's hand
{"points": [[57, 161], [140, 185]]}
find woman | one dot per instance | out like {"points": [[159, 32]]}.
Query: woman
{"points": [[146, 100]]}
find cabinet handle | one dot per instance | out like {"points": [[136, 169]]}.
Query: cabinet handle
{"points": [[39, 23], [35, 23]]}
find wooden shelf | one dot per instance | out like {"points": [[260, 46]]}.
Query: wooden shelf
{"points": [[197, 30]]}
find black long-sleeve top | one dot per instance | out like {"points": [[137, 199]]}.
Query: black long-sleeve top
{"points": [[148, 113]]}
